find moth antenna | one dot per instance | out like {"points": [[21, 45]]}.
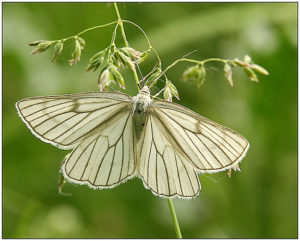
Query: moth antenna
{"points": [[157, 94], [145, 77], [142, 78], [153, 69], [156, 88], [112, 88], [214, 180]]}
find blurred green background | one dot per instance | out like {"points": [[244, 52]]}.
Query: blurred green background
{"points": [[259, 202]]}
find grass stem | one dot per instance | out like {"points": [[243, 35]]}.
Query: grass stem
{"points": [[174, 218], [120, 22]]}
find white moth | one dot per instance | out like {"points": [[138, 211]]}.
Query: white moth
{"points": [[115, 137]]}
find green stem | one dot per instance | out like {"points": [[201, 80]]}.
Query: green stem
{"points": [[120, 22], [143, 32], [86, 30], [99, 26], [149, 44], [192, 61], [204, 61], [173, 213], [173, 64]]}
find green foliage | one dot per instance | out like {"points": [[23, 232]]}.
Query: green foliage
{"points": [[259, 202], [112, 59]]}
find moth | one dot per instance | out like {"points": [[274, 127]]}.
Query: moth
{"points": [[115, 137]]}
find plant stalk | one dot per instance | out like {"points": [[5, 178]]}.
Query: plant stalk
{"points": [[205, 61], [170, 203], [174, 218], [120, 22]]}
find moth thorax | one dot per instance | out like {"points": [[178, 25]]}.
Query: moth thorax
{"points": [[141, 103]]}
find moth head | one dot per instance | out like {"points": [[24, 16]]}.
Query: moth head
{"points": [[145, 90]]}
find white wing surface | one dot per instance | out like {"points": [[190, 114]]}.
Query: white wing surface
{"points": [[174, 145], [177, 143], [208, 146], [163, 169], [64, 120], [107, 158]]}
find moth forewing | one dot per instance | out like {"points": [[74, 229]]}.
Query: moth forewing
{"points": [[115, 137], [210, 147], [63, 120]]}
